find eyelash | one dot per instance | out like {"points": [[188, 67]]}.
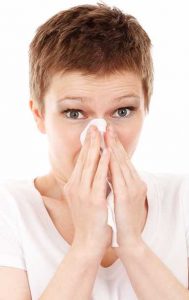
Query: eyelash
{"points": [[131, 108]]}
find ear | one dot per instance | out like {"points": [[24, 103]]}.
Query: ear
{"points": [[39, 118]]}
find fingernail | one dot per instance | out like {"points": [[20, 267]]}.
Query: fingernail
{"points": [[88, 133], [89, 130], [93, 131]]}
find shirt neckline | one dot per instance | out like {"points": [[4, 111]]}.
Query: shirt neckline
{"points": [[148, 234]]}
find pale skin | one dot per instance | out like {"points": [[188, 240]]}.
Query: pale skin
{"points": [[63, 134], [77, 170], [129, 190]]}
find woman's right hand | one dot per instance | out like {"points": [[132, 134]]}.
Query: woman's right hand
{"points": [[85, 193]]}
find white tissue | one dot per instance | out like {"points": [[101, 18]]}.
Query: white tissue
{"points": [[101, 125]]}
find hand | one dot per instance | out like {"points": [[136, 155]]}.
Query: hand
{"points": [[129, 194], [85, 193]]}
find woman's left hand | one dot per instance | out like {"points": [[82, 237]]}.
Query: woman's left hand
{"points": [[130, 195]]}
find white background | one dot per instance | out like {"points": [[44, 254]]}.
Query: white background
{"points": [[164, 143]]}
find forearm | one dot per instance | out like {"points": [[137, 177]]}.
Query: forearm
{"points": [[149, 276], [74, 278]]}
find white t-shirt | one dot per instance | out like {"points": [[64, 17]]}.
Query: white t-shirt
{"points": [[30, 241]]}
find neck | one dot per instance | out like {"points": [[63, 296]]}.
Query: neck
{"points": [[49, 187]]}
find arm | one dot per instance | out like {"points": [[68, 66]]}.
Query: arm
{"points": [[75, 276], [150, 278], [14, 284]]}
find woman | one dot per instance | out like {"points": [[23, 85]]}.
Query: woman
{"points": [[91, 62]]}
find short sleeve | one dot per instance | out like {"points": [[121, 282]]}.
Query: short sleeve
{"points": [[185, 203], [11, 254]]}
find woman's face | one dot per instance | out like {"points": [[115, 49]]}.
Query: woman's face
{"points": [[119, 99]]}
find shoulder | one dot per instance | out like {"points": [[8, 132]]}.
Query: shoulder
{"points": [[13, 192], [15, 187], [167, 181], [170, 188]]}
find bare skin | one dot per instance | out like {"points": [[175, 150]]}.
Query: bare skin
{"points": [[79, 174], [60, 216], [63, 132]]}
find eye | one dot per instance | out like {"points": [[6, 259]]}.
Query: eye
{"points": [[123, 112], [73, 113]]}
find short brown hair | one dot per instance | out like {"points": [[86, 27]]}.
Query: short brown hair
{"points": [[92, 39]]}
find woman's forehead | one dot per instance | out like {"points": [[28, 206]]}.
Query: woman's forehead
{"points": [[76, 83], [75, 88]]}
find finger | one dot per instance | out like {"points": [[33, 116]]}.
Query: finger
{"points": [[100, 179], [120, 157], [92, 159], [118, 181], [127, 160], [76, 174], [123, 158], [125, 166]]}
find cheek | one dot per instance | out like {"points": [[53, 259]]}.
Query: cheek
{"points": [[66, 143], [129, 137]]}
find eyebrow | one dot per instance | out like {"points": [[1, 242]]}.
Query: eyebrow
{"points": [[80, 99]]}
